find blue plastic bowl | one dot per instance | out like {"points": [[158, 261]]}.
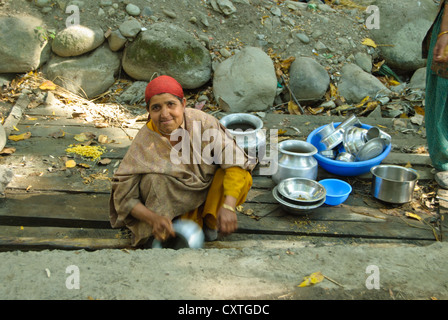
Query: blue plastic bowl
{"points": [[337, 191], [342, 168]]}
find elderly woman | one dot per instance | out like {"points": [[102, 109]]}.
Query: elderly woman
{"points": [[154, 184], [435, 48]]}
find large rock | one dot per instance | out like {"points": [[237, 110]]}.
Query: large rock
{"points": [[245, 82], [167, 49], [418, 80], [308, 79], [88, 75], [403, 24], [77, 40], [24, 46], [356, 84]]}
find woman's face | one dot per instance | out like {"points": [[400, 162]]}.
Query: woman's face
{"points": [[167, 112]]}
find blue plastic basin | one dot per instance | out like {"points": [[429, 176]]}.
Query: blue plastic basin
{"points": [[341, 168], [337, 191]]}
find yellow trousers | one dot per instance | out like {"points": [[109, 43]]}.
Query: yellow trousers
{"points": [[208, 212]]}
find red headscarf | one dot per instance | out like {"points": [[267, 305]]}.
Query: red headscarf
{"points": [[163, 84]]}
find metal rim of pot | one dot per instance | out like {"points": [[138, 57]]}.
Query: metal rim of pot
{"points": [[241, 118], [311, 150]]}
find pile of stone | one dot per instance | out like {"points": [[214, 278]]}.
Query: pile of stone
{"points": [[87, 60]]}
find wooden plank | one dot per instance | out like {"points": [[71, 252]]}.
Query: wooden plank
{"points": [[16, 238], [55, 209], [303, 226]]}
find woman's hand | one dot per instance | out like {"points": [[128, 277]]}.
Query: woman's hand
{"points": [[162, 227], [227, 220], [440, 53]]}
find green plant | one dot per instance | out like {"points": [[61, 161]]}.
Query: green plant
{"points": [[45, 34]]}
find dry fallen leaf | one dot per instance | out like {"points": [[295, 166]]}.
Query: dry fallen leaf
{"points": [[413, 216], [102, 138], [293, 108], [80, 137], [104, 161], [70, 164], [312, 279], [369, 42], [57, 134], [20, 137], [8, 150], [47, 85]]}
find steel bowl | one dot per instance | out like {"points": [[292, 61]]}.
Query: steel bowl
{"points": [[188, 235], [393, 184], [373, 148], [301, 191], [294, 208]]}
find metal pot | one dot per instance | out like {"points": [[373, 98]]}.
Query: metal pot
{"points": [[188, 235], [393, 184], [354, 139], [333, 139], [246, 129], [295, 160], [346, 157]]}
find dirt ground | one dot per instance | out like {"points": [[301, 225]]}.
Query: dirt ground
{"points": [[269, 269]]}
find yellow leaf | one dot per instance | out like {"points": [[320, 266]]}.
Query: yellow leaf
{"points": [[333, 91], [20, 137], [285, 64], [47, 85], [413, 216], [282, 131], [363, 102], [312, 279], [80, 137], [15, 128], [102, 138], [316, 110], [70, 164], [393, 82], [369, 42], [293, 108], [419, 110]]}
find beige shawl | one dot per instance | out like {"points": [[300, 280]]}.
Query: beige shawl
{"points": [[148, 175]]}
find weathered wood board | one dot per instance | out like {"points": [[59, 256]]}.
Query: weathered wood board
{"points": [[50, 206]]}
